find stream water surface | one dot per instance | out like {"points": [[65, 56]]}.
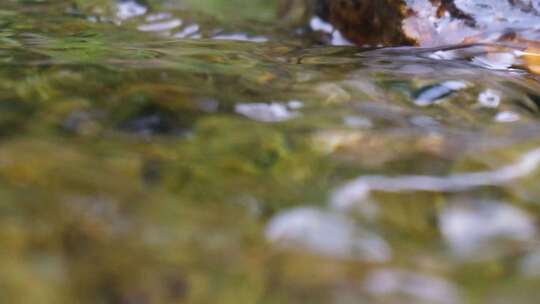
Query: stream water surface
{"points": [[211, 152]]}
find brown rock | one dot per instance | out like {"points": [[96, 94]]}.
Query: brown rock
{"points": [[385, 22], [367, 21]]}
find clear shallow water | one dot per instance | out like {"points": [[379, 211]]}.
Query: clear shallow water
{"points": [[148, 156]]}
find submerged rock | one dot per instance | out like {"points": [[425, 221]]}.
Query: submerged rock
{"points": [[326, 233]]}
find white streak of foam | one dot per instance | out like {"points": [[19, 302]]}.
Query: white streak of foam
{"points": [[358, 189]]}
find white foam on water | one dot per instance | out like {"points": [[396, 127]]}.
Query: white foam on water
{"points": [[359, 189]]}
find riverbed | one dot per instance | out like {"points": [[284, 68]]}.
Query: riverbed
{"points": [[217, 152]]}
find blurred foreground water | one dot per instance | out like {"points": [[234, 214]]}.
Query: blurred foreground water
{"points": [[206, 152]]}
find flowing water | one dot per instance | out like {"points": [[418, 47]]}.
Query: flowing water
{"points": [[209, 152]]}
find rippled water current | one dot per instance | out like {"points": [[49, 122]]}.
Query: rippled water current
{"points": [[209, 152]]}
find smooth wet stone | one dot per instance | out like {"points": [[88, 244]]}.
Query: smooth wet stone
{"points": [[478, 230], [401, 286], [327, 233]]}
